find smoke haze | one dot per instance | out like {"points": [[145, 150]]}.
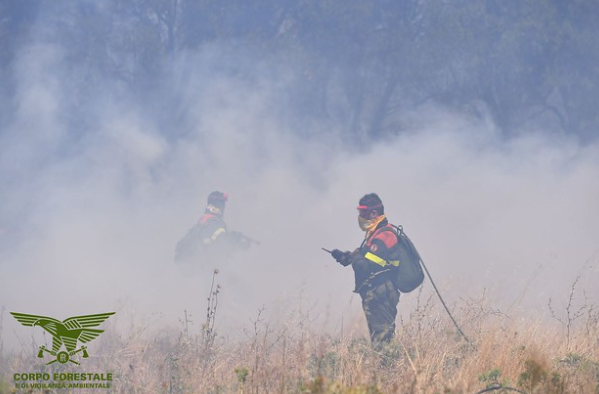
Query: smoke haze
{"points": [[90, 218]]}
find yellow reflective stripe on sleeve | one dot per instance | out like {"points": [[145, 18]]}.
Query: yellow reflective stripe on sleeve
{"points": [[214, 236], [217, 233], [377, 260]]}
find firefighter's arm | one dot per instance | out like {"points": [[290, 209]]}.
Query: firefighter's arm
{"points": [[355, 256], [240, 240], [216, 236]]}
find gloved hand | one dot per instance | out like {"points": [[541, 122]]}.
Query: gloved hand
{"points": [[341, 257]]}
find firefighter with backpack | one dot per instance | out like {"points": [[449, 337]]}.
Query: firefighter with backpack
{"points": [[376, 268]]}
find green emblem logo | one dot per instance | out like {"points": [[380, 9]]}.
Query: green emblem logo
{"points": [[67, 332]]}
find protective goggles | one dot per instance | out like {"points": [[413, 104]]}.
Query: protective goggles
{"points": [[364, 209]]}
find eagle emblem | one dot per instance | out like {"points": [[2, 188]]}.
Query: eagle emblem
{"points": [[67, 332]]}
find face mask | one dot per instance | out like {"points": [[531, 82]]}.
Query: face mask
{"points": [[364, 224], [214, 210], [369, 225]]}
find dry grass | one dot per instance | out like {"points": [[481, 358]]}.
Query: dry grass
{"points": [[427, 356]]}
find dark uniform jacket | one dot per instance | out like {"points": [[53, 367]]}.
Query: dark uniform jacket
{"points": [[374, 259], [208, 242], [217, 242], [213, 228]]}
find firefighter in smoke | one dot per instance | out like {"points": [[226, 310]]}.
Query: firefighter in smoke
{"points": [[209, 242], [372, 263]]}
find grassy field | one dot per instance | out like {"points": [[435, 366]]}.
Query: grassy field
{"points": [[502, 354]]}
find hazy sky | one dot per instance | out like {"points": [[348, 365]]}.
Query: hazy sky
{"points": [[89, 219]]}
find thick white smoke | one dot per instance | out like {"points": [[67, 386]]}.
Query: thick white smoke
{"points": [[93, 217]]}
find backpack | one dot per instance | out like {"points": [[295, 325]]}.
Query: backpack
{"points": [[409, 274]]}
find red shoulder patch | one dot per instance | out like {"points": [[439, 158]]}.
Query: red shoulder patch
{"points": [[388, 238], [204, 219]]}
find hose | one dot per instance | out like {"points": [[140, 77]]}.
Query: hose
{"points": [[500, 387], [400, 228]]}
